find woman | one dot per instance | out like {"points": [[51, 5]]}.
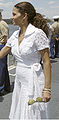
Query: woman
{"points": [[28, 45]]}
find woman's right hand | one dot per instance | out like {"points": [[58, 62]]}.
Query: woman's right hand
{"points": [[4, 51]]}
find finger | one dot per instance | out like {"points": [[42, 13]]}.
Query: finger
{"points": [[46, 99]]}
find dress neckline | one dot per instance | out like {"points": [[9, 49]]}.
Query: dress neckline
{"points": [[18, 38]]}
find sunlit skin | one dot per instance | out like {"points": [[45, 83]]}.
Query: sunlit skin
{"points": [[19, 19], [16, 17]]}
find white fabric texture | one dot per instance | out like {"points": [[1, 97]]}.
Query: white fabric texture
{"points": [[29, 80]]}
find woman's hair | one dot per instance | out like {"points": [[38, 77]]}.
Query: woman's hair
{"points": [[34, 18], [40, 22]]}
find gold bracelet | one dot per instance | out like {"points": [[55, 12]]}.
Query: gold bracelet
{"points": [[47, 92]]}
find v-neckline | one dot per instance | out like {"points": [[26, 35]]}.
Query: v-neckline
{"points": [[20, 42], [19, 45], [18, 38]]}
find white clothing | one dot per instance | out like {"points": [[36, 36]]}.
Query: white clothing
{"points": [[29, 80]]}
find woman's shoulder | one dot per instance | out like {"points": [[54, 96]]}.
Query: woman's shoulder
{"points": [[16, 33]]}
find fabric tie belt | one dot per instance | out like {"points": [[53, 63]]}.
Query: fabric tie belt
{"points": [[33, 83]]}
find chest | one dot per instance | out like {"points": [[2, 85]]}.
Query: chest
{"points": [[23, 46], [20, 38]]}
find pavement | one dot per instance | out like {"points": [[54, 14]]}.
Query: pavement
{"points": [[54, 103], [53, 107]]}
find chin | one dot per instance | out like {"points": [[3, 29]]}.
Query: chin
{"points": [[13, 23]]}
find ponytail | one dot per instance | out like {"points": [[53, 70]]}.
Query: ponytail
{"points": [[39, 22]]}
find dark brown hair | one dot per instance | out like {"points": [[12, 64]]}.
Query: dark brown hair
{"points": [[34, 18]]}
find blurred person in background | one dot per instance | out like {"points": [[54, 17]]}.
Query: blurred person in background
{"points": [[55, 29], [51, 39], [4, 75]]}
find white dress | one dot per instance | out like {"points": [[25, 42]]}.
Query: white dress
{"points": [[29, 80]]}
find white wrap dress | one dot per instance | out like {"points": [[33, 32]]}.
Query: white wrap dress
{"points": [[29, 80]]}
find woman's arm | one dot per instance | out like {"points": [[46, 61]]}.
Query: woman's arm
{"points": [[47, 67], [47, 72], [4, 51]]}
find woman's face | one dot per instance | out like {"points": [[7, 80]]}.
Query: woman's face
{"points": [[17, 17]]}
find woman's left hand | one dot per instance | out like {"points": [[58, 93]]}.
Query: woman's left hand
{"points": [[46, 96]]}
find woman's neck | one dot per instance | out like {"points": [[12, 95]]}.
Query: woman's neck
{"points": [[23, 28]]}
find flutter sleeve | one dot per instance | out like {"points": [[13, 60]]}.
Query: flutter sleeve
{"points": [[41, 40]]}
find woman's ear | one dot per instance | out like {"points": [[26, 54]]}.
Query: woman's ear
{"points": [[25, 16]]}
